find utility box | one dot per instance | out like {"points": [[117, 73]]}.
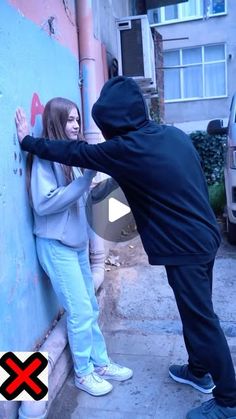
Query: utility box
{"points": [[136, 51]]}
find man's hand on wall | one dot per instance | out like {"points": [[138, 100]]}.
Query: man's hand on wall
{"points": [[22, 126]]}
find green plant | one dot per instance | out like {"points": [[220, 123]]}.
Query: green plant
{"points": [[212, 152], [217, 197]]}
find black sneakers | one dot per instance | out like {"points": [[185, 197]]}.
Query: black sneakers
{"points": [[212, 410], [181, 374]]}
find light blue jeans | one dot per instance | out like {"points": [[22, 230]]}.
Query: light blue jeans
{"points": [[70, 274]]}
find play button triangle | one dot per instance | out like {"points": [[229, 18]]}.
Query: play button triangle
{"points": [[108, 212], [116, 210]]}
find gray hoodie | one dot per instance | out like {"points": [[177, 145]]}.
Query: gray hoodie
{"points": [[59, 208]]}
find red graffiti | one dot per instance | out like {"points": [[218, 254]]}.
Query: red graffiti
{"points": [[36, 108]]}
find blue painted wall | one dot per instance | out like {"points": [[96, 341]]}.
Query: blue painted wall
{"points": [[30, 61]]}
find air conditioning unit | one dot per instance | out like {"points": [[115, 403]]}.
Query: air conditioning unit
{"points": [[136, 51]]}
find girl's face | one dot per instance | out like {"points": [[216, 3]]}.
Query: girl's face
{"points": [[72, 126]]}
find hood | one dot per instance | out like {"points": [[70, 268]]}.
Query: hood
{"points": [[120, 108]]}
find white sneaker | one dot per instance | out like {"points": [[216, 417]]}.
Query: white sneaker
{"points": [[93, 384], [114, 371]]}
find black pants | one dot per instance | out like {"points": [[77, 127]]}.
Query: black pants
{"points": [[205, 342]]}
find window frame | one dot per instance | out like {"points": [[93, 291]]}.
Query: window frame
{"points": [[181, 67], [182, 19]]}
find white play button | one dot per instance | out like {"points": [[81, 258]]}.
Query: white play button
{"points": [[108, 212], [116, 210]]}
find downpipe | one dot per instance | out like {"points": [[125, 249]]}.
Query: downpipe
{"points": [[90, 70]]}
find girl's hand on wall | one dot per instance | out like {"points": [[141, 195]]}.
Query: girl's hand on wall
{"points": [[22, 126]]}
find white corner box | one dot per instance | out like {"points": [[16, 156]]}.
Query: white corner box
{"points": [[136, 51]]}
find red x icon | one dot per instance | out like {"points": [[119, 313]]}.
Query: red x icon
{"points": [[23, 375]]}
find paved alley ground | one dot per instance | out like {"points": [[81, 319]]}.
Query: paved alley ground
{"points": [[143, 331]]}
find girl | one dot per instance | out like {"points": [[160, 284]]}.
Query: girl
{"points": [[58, 196]]}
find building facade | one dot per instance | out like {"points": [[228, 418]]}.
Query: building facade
{"points": [[199, 60]]}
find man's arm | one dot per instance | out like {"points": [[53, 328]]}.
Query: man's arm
{"points": [[101, 157], [72, 153]]}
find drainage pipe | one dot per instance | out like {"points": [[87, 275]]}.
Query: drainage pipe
{"points": [[90, 70]]}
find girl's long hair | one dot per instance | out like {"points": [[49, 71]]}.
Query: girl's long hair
{"points": [[54, 119]]}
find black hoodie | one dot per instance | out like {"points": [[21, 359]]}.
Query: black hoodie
{"points": [[157, 168]]}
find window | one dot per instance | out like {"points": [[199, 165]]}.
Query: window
{"points": [[191, 9], [171, 12], [217, 6], [195, 73]]}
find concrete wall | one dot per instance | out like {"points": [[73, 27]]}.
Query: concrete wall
{"points": [[201, 32], [105, 12], [36, 64]]}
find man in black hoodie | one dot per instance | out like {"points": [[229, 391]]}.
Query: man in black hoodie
{"points": [[160, 173]]}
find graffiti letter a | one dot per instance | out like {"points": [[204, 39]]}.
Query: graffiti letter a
{"points": [[36, 108]]}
